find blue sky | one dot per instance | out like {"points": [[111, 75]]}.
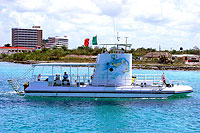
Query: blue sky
{"points": [[148, 23]]}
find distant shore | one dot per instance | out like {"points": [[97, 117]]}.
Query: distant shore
{"points": [[166, 67], [134, 66]]}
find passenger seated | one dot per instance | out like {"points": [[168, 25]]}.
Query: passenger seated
{"points": [[57, 77], [50, 80], [65, 76], [57, 81], [65, 79]]}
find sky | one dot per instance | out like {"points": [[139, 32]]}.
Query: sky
{"points": [[147, 23]]}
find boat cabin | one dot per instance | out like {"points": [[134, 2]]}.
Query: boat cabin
{"points": [[68, 75]]}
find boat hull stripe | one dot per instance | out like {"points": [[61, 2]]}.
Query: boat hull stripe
{"points": [[121, 92]]}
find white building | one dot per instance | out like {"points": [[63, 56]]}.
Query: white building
{"points": [[57, 42], [12, 50], [189, 59]]}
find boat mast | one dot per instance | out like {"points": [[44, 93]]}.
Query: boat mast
{"points": [[117, 40]]}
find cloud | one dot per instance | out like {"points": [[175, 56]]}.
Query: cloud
{"points": [[154, 20], [74, 7], [111, 8], [30, 5], [26, 19], [1, 29]]}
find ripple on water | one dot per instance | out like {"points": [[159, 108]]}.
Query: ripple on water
{"points": [[49, 114]]}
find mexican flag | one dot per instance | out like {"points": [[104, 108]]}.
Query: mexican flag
{"points": [[94, 40]]}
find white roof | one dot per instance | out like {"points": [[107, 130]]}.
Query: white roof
{"points": [[65, 64], [184, 55], [59, 37]]}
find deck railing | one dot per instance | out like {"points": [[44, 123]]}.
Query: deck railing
{"points": [[143, 80], [148, 79]]}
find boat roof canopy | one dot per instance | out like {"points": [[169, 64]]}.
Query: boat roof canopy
{"points": [[126, 45], [65, 64]]}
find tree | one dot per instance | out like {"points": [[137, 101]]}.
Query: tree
{"points": [[44, 47], [54, 47], [3, 55], [96, 51], [113, 48], [64, 47], [45, 41], [181, 49], [196, 50], [7, 45]]}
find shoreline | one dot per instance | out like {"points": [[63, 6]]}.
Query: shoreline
{"points": [[165, 67], [134, 66]]}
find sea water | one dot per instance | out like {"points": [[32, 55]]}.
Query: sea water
{"points": [[51, 114]]}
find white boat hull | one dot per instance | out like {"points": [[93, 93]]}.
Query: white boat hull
{"points": [[106, 92]]}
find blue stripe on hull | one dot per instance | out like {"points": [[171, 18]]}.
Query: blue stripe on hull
{"points": [[104, 95]]}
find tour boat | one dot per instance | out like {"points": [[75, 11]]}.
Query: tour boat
{"points": [[110, 77]]}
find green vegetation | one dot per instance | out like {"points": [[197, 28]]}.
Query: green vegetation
{"points": [[7, 45], [65, 54], [141, 51], [194, 50], [55, 54]]}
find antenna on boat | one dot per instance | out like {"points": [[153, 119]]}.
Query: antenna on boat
{"points": [[117, 45], [126, 39], [114, 30], [117, 39], [118, 36]]}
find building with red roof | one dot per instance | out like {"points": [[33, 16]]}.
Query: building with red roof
{"points": [[12, 50]]}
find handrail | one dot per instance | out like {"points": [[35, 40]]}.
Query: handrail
{"points": [[137, 80], [15, 85]]}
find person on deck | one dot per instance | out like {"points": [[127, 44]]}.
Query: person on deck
{"points": [[65, 76], [39, 76], [163, 78]]}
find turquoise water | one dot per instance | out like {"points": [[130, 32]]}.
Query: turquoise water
{"points": [[45, 114]]}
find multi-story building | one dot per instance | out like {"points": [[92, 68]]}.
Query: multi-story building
{"points": [[57, 42], [31, 38]]}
